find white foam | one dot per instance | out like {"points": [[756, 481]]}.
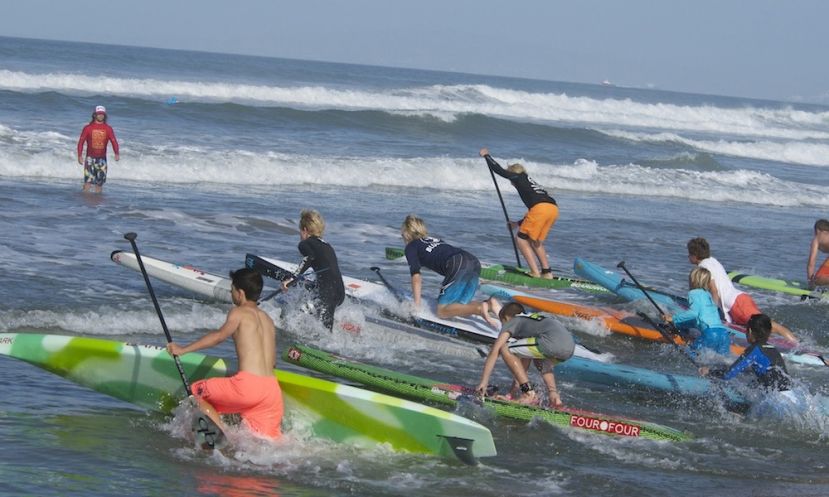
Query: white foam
{"points": [[446, 102], [793, 152], [241, 168]]}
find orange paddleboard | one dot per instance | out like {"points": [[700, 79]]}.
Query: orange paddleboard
{"points": [[614, 320]]}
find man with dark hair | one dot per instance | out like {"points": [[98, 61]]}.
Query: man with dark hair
{"points": [[737, 306], [763, 358], [96, 135], [253, 391]]}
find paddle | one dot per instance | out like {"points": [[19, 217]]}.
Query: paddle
{"points": [[659, 327], [207, 432], [394, 291], [280, 289], [506, 216]]}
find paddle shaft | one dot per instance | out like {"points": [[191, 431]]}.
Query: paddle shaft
{"points": [[506, 216], [651, 321], [392, 288], [668, 337], [640, 287], [131, 237]]}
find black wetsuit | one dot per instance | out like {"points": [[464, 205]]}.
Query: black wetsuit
{"points": [[320, 256], [765, 362], [531, 193]]}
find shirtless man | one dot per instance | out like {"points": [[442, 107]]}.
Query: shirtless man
{"points": [[253, 391], [820, 242]]}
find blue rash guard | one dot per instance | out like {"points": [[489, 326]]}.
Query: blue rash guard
{"points": [[704, 315], [765, 362]]}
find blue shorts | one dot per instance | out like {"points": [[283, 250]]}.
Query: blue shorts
{"points": [[95, 171], [461, 280]]}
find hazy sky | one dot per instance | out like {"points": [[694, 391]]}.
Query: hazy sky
{"points": [[759, 48]]}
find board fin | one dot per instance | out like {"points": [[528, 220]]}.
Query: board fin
{"points": [[461, 448], [208, 436]]}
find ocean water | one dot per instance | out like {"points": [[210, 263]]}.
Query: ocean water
{"points": [[219, 153]]}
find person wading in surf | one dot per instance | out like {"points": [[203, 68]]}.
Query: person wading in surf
{"points": [[320, 256], [253, 392], [96, 135], [737, 306]]}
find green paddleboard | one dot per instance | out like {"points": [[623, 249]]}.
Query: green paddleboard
{"points": [[146, 376], [447, 395], [519, 276], [801, 289]]}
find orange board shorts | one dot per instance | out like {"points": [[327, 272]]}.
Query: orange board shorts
{"points": [[539, 220], [743, 308], [258, 399], [823, 271]]}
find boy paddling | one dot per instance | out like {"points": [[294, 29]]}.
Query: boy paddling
{"points": [[253, 391]]}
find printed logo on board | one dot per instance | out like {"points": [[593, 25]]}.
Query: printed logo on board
{"points": [[613, 427], [294, 354]]}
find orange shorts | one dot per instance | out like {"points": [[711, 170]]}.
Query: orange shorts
{"points": [[823, 270], [539, 220], [743, 308], [258, 399]]}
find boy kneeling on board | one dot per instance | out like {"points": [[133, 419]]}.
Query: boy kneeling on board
{"points": [[542, 337], [253, 391]]}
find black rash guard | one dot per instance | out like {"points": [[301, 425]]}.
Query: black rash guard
{"points": [[531, 193]]}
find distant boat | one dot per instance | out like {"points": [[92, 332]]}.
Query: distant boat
{"points": [[607, 83]]}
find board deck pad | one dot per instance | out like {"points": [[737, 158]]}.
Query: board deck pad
{"points": [[448, 395], [520, 276]]}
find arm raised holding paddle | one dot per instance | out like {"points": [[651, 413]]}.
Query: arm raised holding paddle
{"points": [[537, 222]]}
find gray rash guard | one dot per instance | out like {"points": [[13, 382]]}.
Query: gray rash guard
{"points": [[553, 339]]}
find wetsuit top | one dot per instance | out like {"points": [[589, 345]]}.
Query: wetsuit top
{"points": [[531, 193], [320, 256], [766, 363], [430, 252], [96, 136], [552, 336], [701, 314]]}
